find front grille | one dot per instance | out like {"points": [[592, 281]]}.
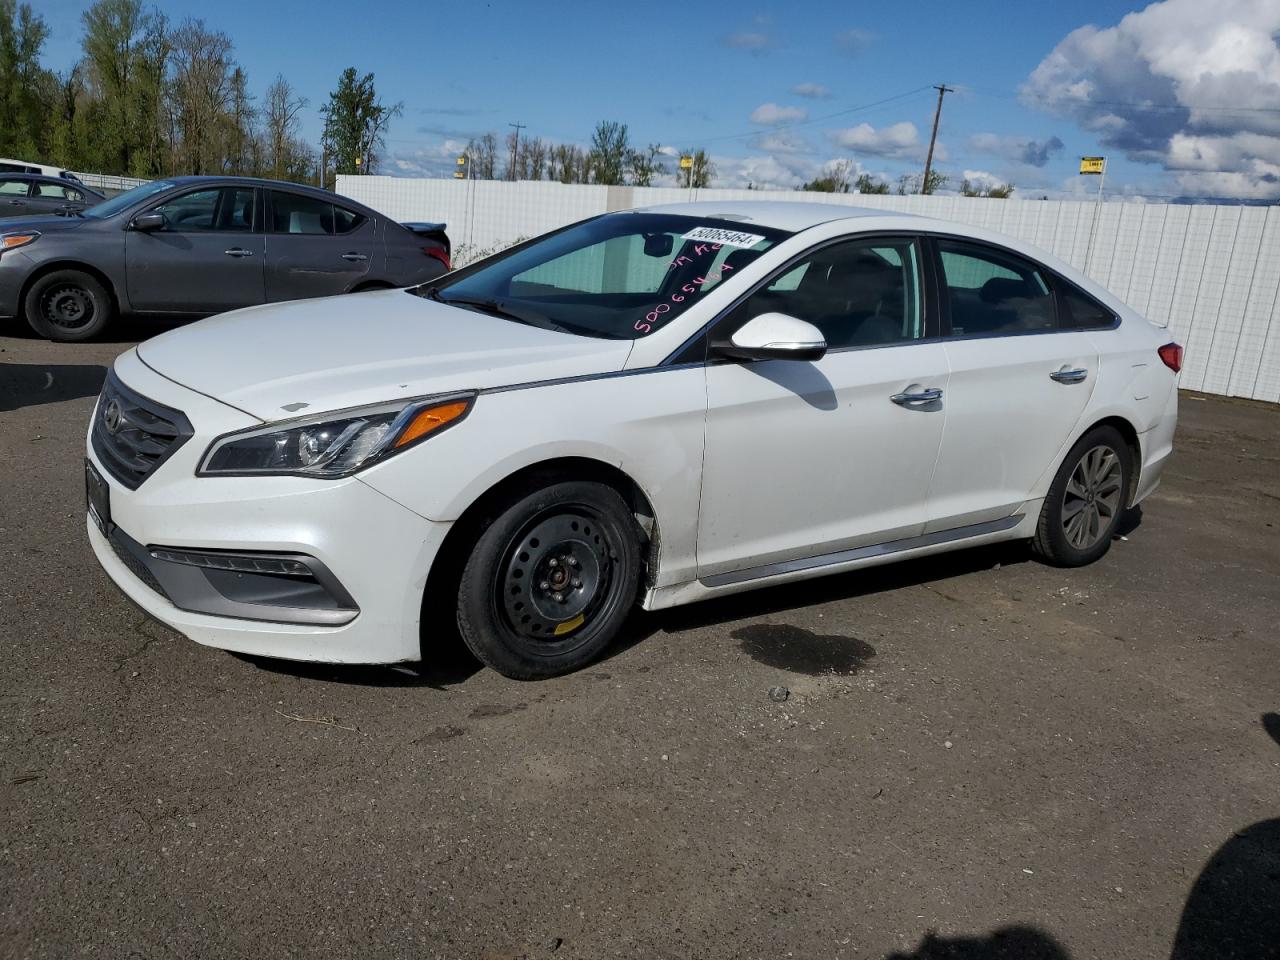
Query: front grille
{"points": [[133, 435]]}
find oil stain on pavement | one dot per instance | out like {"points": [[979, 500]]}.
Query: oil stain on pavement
{"points": [[794, 649]]}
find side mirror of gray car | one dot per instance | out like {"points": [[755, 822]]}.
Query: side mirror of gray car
{"points": [[147, 222]]}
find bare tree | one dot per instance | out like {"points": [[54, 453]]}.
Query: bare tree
{"points": [[201, 95], [535, 158], [644, 165], [482, 156], [281, 117]]}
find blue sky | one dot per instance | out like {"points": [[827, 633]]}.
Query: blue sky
{"points": [[696, 74]]}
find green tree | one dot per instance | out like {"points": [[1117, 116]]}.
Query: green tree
{"points": [[866, 184], [22, 112], [356, 123], [126, 54], [699, 173], [999, 191], [609, 152]]}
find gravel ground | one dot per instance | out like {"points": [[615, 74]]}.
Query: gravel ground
{"points": [[979, 756]]}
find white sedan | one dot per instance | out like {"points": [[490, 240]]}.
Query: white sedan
{"points": [[649, 407]]}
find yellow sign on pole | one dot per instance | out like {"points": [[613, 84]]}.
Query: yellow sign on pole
{"points": [[1093, 164], [686, 163], [460, 173]]}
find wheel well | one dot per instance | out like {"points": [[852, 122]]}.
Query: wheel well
{"points": [[370, 285], [48, 268], [1130, 435], [442, 582]]}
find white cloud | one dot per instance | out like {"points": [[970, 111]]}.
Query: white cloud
{"points": [[780, 141], [855, 41], [1035, 153], [900, 141], [1191, 86], [814, 91], [435, 161], [770, 114]]}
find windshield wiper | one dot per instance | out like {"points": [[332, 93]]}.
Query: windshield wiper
{"points": [[498, 309]]}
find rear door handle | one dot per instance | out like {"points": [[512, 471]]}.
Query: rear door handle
{"points": [[238, 252], [1067, 375], [16, 203], [354, 256], [910, 398]]}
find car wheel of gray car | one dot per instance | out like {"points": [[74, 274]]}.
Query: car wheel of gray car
{"points": [[68, 305], [1086, 500], [550, 580]]}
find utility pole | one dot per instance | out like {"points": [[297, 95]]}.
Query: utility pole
{"points": [[515, 147], [933, 137]]}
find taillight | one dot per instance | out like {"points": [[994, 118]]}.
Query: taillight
{"points": [[1171, 354], [440, 254]]}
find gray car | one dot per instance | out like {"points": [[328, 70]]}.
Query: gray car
{"points": [[202, 245], [25, 195]]}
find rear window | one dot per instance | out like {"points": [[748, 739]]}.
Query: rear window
{"points": [[310, 216]]}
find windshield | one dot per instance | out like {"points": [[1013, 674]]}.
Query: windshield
{"points": [[109, 208], [620, 276]]}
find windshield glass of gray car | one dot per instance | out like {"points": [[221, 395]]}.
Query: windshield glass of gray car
{"points": [[620, 276], [127, 199]]}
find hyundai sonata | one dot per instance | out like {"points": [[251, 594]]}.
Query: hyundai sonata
{"points": [[649, 407]]}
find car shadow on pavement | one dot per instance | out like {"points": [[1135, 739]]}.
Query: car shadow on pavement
{"points": [[1007, 943], [1233, 909], [30, 384], [450, 664]]}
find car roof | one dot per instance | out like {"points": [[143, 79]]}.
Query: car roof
{"points": [[250, 181], [782, 214]]}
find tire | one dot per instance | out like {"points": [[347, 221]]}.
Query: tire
{"points": [[68, 305], [1086, 500], [550, 580]]}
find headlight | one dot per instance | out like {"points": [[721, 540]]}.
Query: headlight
{"points": [[334, 444]]}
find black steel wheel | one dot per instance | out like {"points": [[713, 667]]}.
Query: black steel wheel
{"points": [[550, 580], [1086, 500], [68, 305]]}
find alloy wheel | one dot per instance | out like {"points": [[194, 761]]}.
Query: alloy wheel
{"points": [[1091, 500]]}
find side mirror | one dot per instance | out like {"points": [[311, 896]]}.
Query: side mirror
{"points": [[146, 222], [774, 336]]}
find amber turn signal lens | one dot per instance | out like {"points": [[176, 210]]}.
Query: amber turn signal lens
{"points": [[432, 419], [11, 240]]}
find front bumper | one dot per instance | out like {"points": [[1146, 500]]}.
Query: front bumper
{"points": [[376, 554], [15, 267]]}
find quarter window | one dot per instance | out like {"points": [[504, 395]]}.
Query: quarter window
{"points": [[992, 292], [1082, 312], [294, 213], [862, 293]]}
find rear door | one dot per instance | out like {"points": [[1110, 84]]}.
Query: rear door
{"points": [[13, 197], [50, 197], [1020, 380], [315, 248], [207, 260]]}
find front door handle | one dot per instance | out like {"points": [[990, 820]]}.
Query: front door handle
{"points": [[354, 256], [1068, 375], [16, 203], [910, 398], [238, 252]]}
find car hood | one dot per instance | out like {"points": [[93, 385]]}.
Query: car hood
{"points": [[295, 359], [44, 224]]}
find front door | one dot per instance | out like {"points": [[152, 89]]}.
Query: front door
{"points": [[1020, 381], [207, 259], [805, 459]]}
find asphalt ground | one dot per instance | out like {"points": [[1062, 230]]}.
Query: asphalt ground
{"points": [[979, 756]]}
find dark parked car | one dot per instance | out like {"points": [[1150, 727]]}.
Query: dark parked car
{"points": [[202, 245], [26, 195]]}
